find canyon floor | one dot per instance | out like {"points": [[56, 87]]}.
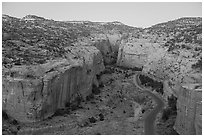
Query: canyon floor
{"points": [[111, 109]]}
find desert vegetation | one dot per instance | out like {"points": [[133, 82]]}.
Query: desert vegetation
{"points": [[149, 82]]}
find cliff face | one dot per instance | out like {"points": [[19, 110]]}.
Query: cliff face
{"points": [[108, 44], [134, 52], [33, 93], [156, 60], [189, 110]]}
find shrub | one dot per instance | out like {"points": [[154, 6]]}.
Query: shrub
{"points": [[198, 48], [183, 46], [145, 80], [170, 48], [95, 89], [166, 113], [198, 65], [4, 115], [171, 109], [172, 102]]}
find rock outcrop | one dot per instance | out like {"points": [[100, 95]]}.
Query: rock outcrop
{"points": [[189, 107], [33, 17], [108, 44], [157, 61], [33, 93], [135, 52], [189, 110]]}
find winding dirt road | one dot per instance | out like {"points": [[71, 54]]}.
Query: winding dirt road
{"points": [[151, 117]]}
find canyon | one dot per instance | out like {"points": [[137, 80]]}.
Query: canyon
{"points": [[50, 66], [151, 117]]}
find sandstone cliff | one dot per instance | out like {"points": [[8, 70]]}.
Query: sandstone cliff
{"points": [[33, 93], [157, 61], [107, 43], [189, 110], [135, 52]]}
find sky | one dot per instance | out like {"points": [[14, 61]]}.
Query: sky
{"points": [[136, 14]]}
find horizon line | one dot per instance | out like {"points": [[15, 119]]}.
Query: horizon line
{"points": [[105, 21]]}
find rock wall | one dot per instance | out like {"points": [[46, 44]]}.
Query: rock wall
{"points": [[155, 59], [189, 110], [108, 44], [135, 52], [105, 47], [33, 93], [189, 107]]}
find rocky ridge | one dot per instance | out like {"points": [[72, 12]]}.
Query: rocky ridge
{"points": [[38, 40]]}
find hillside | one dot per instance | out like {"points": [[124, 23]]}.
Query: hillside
{"points": [[176, 25], [165, 44], [34, 40]]}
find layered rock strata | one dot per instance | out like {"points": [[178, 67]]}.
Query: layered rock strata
{"points": [[33, 93]]}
